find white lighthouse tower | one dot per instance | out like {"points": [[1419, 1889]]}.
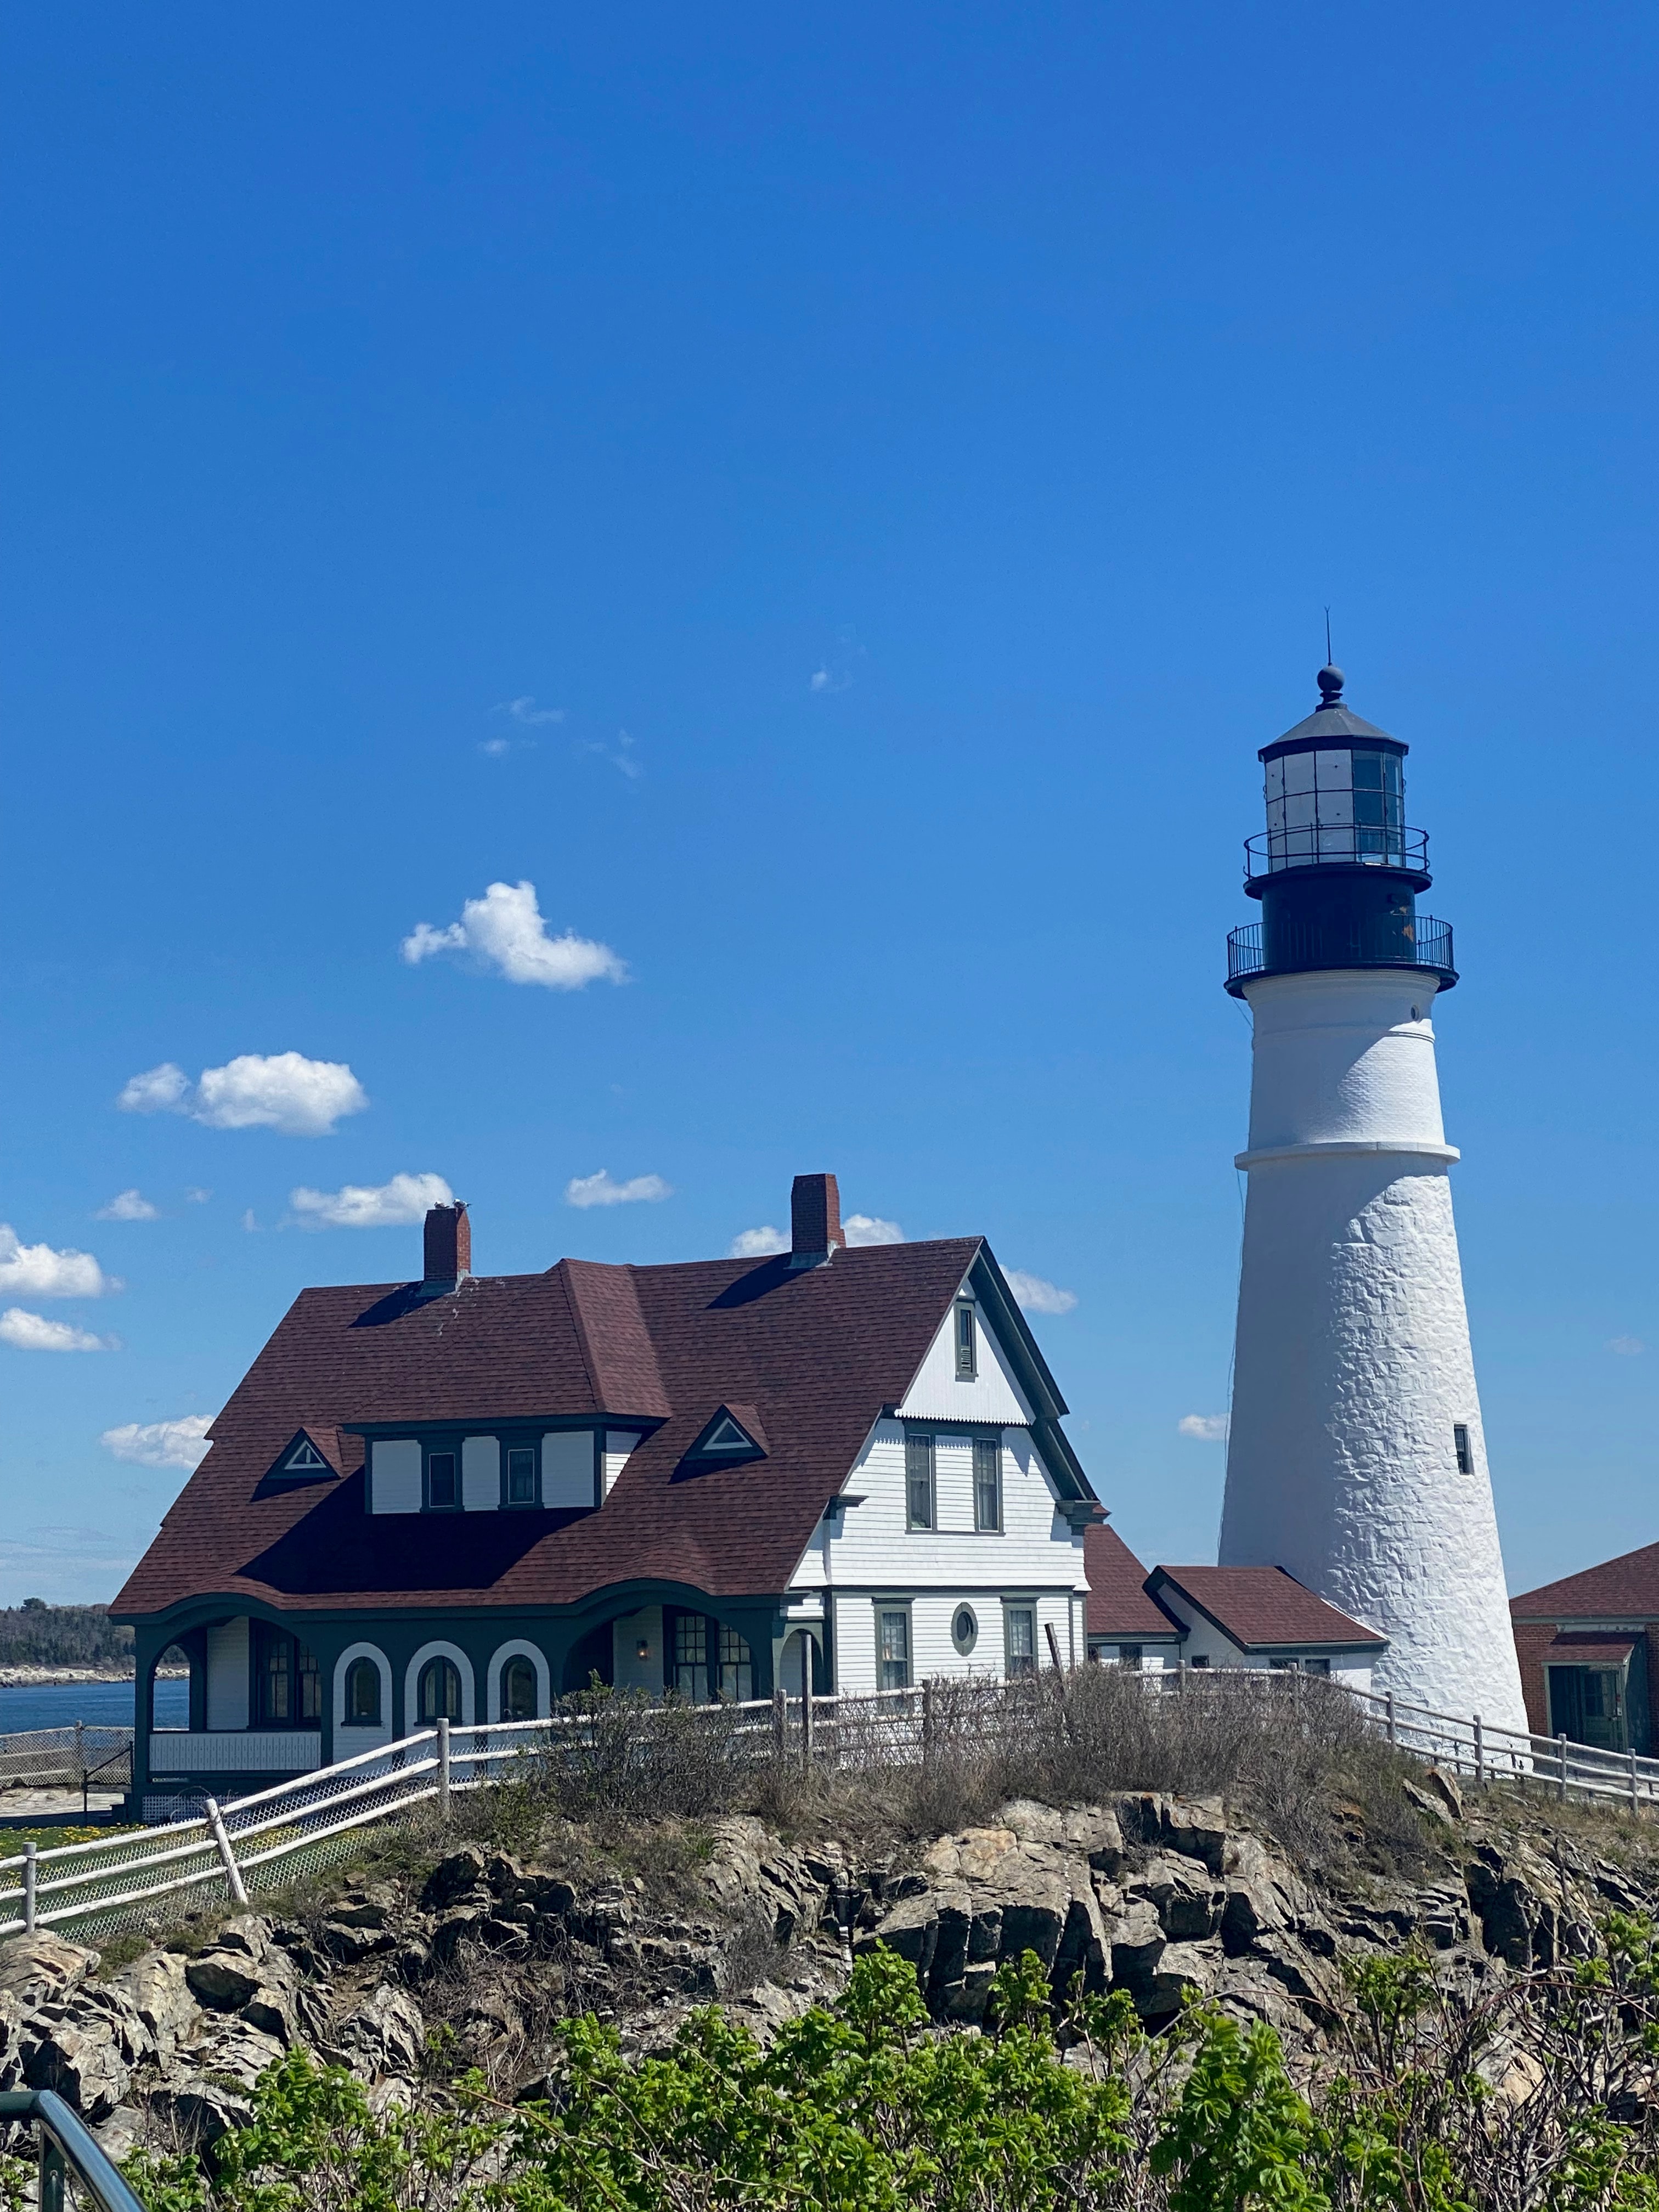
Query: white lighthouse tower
{"points": [[1356, 1457]]}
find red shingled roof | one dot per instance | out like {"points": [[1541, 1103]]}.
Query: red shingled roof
{"points": [[1118, 1604], [816, 1353], [1590, 1648], [1265, 1608], [1628, 1586]]}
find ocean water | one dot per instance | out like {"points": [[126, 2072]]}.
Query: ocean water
{"points": [[60, 1705]]}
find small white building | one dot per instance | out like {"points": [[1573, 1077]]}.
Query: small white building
{"points": [[1263, 1617]]}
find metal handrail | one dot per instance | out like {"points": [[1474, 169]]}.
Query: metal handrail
{"points": [[1432, 949], [1335, 845], [66, 2145]]}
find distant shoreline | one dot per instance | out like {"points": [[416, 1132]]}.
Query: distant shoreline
{"points": [[53, 1677]]}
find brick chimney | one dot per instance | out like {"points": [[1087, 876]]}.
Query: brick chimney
{"points": [[448, 1246], [814, 1219]]}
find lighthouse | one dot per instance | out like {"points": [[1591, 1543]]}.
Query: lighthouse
{"points": [[1356, 1458]]}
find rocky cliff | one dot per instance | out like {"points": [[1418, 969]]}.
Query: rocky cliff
{"points": [[471, 1961]]}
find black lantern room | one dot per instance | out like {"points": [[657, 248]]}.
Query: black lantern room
{"points": [[1336, 870]]}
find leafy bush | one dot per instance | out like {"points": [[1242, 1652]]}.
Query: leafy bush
{"points": [[1539, 2095]]}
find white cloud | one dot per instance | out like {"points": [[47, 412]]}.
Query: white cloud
{"points": [[494, 747], [820, 680], [248, 1221], [181, 1443], [600, 1190], [128, 1205], [756, 1243], [371, 1206], [505, 930], [1209, 1428], [35, 1271], [1627, 1346], [282, 1091], [196, 1196], [871, 1229], [527, 711], [160, 1089], [620, 756], [1036, 1296], [34, 1333]]}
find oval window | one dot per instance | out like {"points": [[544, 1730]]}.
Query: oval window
{"points": [[964, 1630]]}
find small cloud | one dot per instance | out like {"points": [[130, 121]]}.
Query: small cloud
{"points": [[391, 1205], [196, 1196], [1626, 1346], [1035, 1295], [128, 1205], [248, 1221], [494, 747], [31, 1332], [600, 1190], [504, 930], [160, 1089], [281, 1090], [834, 672], [620, 756], [526, 712], [756, 1243], [1209, 1428], [181, 1443], [36, 1271], [871, 1229]]}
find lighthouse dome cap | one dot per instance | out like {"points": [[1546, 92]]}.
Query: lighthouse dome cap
{"points": [[1330, 724]]}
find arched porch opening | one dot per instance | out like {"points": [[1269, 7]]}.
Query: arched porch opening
{"points": [[680, 1645]]}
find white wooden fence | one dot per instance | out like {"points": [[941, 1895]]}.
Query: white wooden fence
{"points": [[268, 1839]]}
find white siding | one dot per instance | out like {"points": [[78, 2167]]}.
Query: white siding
{"points": [[937, 1394], [481, 1474], [630, 1671], [227, 1674], [395, 1484], [567, 1467], [933, 1648], [619, 1444], [876, 1550]]}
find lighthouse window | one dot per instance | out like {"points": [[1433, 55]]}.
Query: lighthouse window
{"points": [[1461, 1446], [1334, 806]]}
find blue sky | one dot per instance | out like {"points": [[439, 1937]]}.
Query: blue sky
{"points": [[897, 461]]}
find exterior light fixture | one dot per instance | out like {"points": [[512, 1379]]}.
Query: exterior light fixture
{"points": [[642, 1648]]}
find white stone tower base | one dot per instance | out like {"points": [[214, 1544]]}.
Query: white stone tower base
{"points": [[1354, 1371]]}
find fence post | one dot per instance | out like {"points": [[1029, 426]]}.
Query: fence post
{"points": [[779, 1724], [443, 1769], [227, 1857], [928, 1718], [81, 1760], [1181, 1678], [1393, 1725], [807, 1704], [28, 1889], [1561, 1747], [1480, 1755], [1635, 1806]]}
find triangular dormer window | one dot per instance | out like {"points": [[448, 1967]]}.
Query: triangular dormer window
{"points": [[733, 1436], [300, 1460]]}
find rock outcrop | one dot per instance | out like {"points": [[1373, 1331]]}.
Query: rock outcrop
{"points": [[1159, 1896]]}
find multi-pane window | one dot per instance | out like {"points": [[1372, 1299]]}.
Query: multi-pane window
{"points": [[691, 1656], [443, 1491], [521, 1475], [289, 1688], [439, 1693], [1020, 1624], [1129, 1655], [1338, 804], [737, 1668], [893, 1648], [1460, 1447], [518, 1689], [987, 1482], [363, 1694], [918, 1481], [967, 1347]]}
